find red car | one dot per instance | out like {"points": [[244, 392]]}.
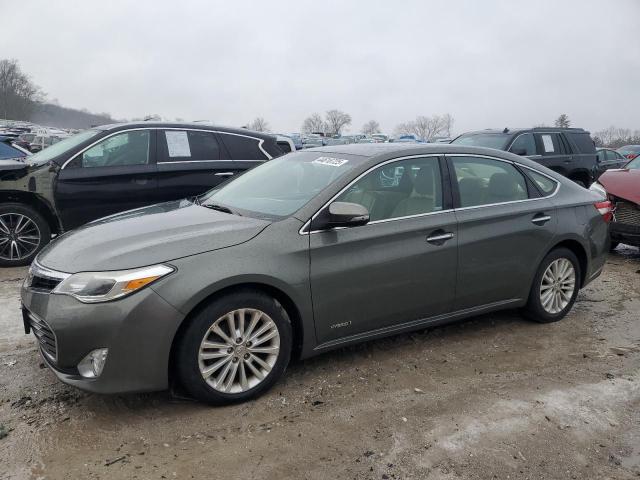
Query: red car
{"points": [[622, 187]]}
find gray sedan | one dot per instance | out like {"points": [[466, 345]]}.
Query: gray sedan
{"points": [[312, 251]]}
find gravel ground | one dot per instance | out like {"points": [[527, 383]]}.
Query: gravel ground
{"points": [[493, 397]]}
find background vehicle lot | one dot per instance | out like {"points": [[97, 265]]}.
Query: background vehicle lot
{"points": [[497, 396]]}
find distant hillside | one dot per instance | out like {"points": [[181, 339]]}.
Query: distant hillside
{"points": [[51, 115]]}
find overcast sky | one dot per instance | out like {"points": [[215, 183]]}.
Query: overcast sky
{"points": [[488, 63]]}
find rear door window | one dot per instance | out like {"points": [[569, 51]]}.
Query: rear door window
{"points": [[188, 146], [243, 148], [549, 143], [482, 181]]}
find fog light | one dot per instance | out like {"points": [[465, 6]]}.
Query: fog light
{"points": [[91, 366]]}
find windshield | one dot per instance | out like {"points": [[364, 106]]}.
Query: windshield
{"points": [[57, 148], [633, 164], [281, 186], [490, 140], [629, 149]]}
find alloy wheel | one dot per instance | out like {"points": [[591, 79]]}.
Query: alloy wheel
{"points": [[19, 236], [239, 350], [558, 286]]}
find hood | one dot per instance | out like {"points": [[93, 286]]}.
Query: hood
{"points": [[10, 168], [146, 236], [624, 183]]}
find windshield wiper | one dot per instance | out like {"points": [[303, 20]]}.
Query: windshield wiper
{"points": [[219, 208]]}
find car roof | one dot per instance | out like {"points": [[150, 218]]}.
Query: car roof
{"points": [[186, 125], [381, 151], [512, 131]]}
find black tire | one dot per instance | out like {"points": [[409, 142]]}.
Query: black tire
{"points": [[534, 309], [187, 352], [579, 182], [43, 231]]}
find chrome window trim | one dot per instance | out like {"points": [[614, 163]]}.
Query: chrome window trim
{"points": [[207, 161], [375, 222], [259, 140]]}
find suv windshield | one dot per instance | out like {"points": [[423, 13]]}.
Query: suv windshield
{"points": [[57, 148], [281, 186], [490, 140]]}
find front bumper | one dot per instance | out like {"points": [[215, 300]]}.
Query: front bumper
{"points": [[138, 331]]}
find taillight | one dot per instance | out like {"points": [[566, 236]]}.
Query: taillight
{"points": [[605, 209]]}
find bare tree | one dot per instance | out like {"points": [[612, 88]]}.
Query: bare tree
{"points": [[314, 123], [259, 124], [336, 121], [447, 124], [371, 127], [18, 94], [404, 128], [615, 137], [426, 128], [563, 121]]}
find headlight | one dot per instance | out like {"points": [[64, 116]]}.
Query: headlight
{"points": [[94, 287], [596, 187]]}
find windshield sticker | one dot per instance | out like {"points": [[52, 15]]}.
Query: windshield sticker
{"points": [[548, 143], [332, 162], [177, 144]]}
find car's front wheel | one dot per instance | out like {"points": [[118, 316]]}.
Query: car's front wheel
{"points": [[23, 233], [235, 348], [555, 287]]}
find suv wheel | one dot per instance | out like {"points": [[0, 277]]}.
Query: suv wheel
{"points": [[555, 287], [23, 233], [234, 349]]}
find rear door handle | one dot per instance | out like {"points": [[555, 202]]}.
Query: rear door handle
{"points": [[540, 219], [224, 174], [439, 237], [139, 181]]}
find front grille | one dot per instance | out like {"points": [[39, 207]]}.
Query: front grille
{"points": [[627, 213], [44, 284], [44, 334]]}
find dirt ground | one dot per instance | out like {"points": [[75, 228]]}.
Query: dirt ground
{"points": [[493, 397]]}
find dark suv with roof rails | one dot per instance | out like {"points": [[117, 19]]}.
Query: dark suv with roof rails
{"points": [[113, 168], [569, 151]]}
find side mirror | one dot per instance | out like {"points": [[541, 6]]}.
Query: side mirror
{"points": [[342, 214], [519, 151]]}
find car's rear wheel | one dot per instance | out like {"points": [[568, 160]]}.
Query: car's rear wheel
{"points": [[23, 233], [555, 287], [235, 348]]}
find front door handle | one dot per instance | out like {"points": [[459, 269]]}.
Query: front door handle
{"points": [[540, 219], [439, 237], [224, 174], [140, 181]]}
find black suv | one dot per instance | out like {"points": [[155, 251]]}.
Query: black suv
{"points": [[113, 168], [568, 151]]}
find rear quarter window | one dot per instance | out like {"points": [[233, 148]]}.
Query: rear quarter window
{"points": [[243, 148], [546, 185], [583, 141]]}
